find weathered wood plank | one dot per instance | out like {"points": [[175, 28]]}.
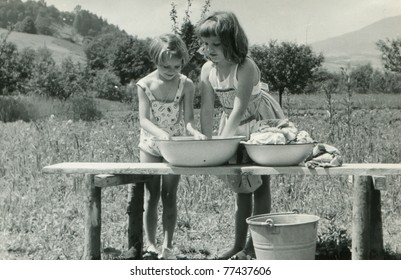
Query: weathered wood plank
{"points": [[376, 226], [361, 218], [93, 221], [358, 169], [109, 180], [135, 216], [379, 182]]}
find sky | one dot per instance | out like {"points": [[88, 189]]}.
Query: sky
{"points": [[300, 21]]}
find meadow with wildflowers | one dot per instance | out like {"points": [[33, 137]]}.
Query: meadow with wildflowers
{"points": [[42, 215]]}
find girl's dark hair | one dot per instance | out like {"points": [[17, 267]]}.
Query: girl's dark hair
{"points": [[226, 26], [167, 46]]}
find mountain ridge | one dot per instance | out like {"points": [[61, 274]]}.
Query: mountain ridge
{"points": [[347, 50], [359, 46]]}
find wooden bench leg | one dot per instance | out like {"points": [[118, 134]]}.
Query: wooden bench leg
{"points": [[361, 218], [376, 230], [135, 219], [367, 231], [93, 220]]}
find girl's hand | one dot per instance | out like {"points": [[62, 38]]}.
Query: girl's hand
{"points": [[164, 136], [199, 136]]}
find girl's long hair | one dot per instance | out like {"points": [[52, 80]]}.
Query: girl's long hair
{"points": [[226, 26]]}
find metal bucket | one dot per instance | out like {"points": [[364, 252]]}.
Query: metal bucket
{"points": [[284, 236]]}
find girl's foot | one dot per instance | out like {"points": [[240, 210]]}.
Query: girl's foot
{"points": [[241, 255], [151, 253], [229, 254], [167, 254]]}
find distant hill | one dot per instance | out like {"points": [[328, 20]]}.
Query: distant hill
{"points": [[59, 47], [36, 25], [358, 47]]}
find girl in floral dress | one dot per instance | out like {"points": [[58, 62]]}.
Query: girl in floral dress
{"points": [[165, 98]]}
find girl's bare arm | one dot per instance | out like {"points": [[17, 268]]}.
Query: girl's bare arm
{"points": [[207, 103], [247, 74], [189, 91]]}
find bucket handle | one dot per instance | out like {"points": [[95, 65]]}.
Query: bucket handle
{"points": [[270, 221]]}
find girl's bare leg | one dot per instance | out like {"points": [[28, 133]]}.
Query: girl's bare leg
{"points": [[169, 200], [262, 205], [151, 201], [243, 209]]}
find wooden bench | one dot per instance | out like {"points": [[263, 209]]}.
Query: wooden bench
{"points": [[368, 179]]}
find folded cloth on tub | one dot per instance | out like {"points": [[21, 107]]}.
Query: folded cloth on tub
{"points": [[268, 137], [324, 155], [277, 131]]}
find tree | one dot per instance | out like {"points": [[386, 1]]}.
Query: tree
{"points": [[16, 67], [27, 26], [72, 79], [24, 68], [123, 54], [131, 60], [43, 23], [107, 85], [386, 82], [362, 77], [391, 54], [286, 65], [187, 32], [196, 60], [99, 50], [8, 75], [46, 75], [86, 23]]}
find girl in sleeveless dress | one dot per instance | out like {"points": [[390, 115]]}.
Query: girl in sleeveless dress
{"points": [[234, 78], [164, 96]]}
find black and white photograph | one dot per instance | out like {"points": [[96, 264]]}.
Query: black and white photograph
{"points": [[234, 132]]}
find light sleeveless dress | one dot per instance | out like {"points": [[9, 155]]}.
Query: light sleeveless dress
{"points": [[261, 106], [166, 115]]}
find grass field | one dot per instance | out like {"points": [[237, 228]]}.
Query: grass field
{"points": [[59, 48], [42, 215]]}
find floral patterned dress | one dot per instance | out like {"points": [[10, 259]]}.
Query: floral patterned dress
{"points": [[166, 115]]}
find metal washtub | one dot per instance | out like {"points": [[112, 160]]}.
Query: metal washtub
{"points": [[284, 236]]}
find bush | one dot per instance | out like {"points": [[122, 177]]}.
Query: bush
{"points": [[362, 78], [51, 80], [387, 82], [45, 75], [107, 85], [129, 94], [44, 25], [8, 58], [24, 67], [26, 26], [84, 108], [73, 79], [14, 109]]}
